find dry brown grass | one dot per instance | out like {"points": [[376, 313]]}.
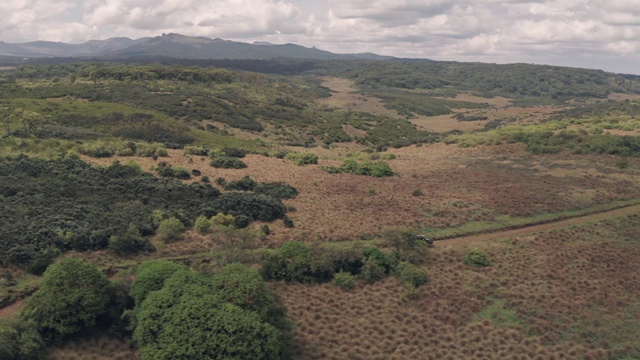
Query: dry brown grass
{"points": [[458, 185], [346, 96], [100, 348], [574, 292]]}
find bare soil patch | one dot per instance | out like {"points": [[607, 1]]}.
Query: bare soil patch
{"points": [[12, 310]]}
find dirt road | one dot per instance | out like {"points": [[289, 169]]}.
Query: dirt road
{"points": [[538, 228]]}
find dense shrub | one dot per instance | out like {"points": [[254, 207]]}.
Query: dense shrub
{"points": [[371, 271], [476, 258], [67, 204], [244, 184], [244, 287], [277, 190], [166, 170], [67, 287], [202, 224], [20, 340], [170, 229], [151, 276], [292, 262], [188, 318], [411, 275], [302, 158], [254, 206], [344, 280], [368, 168], [234, 152], [228, 163], [130, 242]]}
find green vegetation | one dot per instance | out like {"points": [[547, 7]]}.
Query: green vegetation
{"points": [[225, 162], [19, 340], [88, 208], [367, 168], [192, 316], [476, 258], [344, 280], [302, 158], [66, 287]]}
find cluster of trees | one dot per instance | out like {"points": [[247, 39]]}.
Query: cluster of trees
{"points": [[51, 206], [173, 312], [296, 261]]}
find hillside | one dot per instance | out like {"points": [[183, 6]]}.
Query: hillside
{"points": [[275, 205]]}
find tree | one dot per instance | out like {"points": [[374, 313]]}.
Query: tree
{"points": [[243, 286], [188, 319], [406, 246], [31, 121], [170, 229], [19, 340], [72, 294], [151, 276]]}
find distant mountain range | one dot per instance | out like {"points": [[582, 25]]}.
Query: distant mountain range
{"points": [[174, 46]]}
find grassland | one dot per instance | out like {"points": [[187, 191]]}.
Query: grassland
{"points": [[567, 290]]}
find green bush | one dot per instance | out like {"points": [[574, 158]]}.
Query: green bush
{"points": [[371, 271], [228, 163], [292, 262], [277, 190], [151, 276], [476, 258], [72, 295], [170, 229], [411, 275], [243, 286], [202, 224], [20, 340], [302, 158], [39, 265], [367, 168], [344, 280], [188, 319], [246, 183], [130, 242]]}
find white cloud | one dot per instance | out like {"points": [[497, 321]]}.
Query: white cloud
{"points": [[226, 18], [595, 33]]}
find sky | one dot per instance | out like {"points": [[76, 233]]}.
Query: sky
{"points": [[598, 34]]}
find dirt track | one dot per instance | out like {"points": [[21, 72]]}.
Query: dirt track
{"points": [[538, 228]]}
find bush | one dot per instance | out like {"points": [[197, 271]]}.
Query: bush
{"points": [[244, 184], [412, 275], [344, 280], [130, 242], [188, 319], [228, 163], [368, 168], [371, 271], [202, 224], [276, 190], [151, 276], [170, 229], [72, 295], [476, 258], [254, 206], [39, 265], [234, 152], [302, 158], [292, 262], [20, 340], [223, 221], [244, 287]]}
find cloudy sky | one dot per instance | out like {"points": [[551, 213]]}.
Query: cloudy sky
{"points": [[602, 34]]}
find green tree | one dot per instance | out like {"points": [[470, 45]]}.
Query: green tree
{"points": [[170, 229], [72, 294], [188, 319], [151, 276], [243, 286], [406, 246], [20, 340]]}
